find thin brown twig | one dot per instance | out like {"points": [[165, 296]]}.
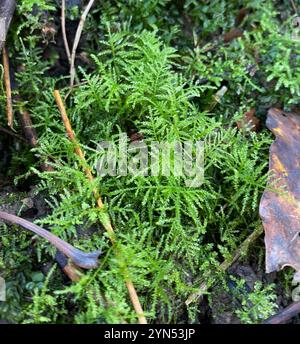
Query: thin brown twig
{"points": [[77, 39], [70, 269], [31, 135], [227, 263], [28, 128], [294, 6], [9, 132], [9, 109], [106, 223], [63, 28], [78, 84]]}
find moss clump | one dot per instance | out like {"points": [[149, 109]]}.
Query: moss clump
{"points": [[153, 69]]}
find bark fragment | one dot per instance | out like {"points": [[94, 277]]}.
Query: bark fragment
{"points": [[7, 9]]}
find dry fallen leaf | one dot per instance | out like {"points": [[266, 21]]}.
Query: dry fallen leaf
{"points": [[232, 34], [242, 13], [280, 210]]}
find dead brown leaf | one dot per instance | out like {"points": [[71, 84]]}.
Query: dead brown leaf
{"points": [[280, 210], [242, 13], [232, 34]]}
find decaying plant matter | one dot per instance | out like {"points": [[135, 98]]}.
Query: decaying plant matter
{"points": [[7, 8], [280, 208]]}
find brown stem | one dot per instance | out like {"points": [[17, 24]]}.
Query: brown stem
{"points": [[80, 258], [226, 264], [9, 109], [285, 315], [80, 153], [70, 269], [107, 224], [31, 135], [28, 128], [11, 133]]}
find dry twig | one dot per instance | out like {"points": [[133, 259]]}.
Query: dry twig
{"points": [[31, 135], [9, 109], [77, 39], [107, 223], [227, 263], [9, 132], [294, 6], [63, 28], [28, 128]]}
